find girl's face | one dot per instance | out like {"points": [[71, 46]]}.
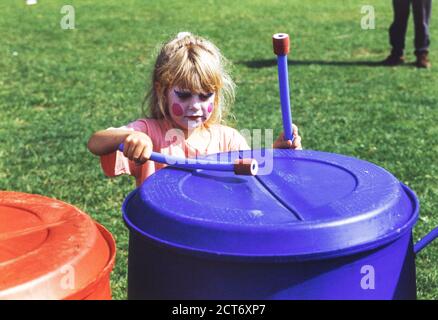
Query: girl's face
{"points": [[190, 110]]}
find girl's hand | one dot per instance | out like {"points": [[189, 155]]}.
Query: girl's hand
{"points": [[138, 147], [280, 143]]}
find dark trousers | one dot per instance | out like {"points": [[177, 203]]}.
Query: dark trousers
{"points": [[397, 32]]}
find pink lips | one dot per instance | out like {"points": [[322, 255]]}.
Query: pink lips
{"points": [[193, 117]]}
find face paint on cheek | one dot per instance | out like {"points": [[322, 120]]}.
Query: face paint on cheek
{"points": [[177, 109], [210, 108]]}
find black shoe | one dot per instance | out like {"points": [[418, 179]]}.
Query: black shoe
{"points": [[423, 61], [393, 60]]}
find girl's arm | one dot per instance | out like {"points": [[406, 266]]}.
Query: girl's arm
{"points": [[137, 145], [107, 141]]}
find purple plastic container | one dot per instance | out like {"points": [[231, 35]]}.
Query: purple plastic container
{"points": [[320, 226]]}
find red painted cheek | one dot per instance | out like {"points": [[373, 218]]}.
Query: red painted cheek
{"points": [[210, 107], [177, 109]]}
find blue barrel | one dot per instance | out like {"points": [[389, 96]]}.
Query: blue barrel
{"points": [[319, 226]]}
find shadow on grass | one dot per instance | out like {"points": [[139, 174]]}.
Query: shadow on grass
{"points": [[267, 63]]}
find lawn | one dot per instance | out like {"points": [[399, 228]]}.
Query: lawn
{"points": [[59, 86]]}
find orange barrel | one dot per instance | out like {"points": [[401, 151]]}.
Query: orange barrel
{"points": [[52, 250]]}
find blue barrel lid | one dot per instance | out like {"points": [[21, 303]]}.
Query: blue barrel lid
{"points": [[312, 205]]}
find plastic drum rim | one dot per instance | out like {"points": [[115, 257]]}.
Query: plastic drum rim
{"points": [[278, 258]]}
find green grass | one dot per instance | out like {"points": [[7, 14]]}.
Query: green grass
{"points": [[59, 86]]}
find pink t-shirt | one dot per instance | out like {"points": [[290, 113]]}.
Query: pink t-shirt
{"points": [[223, 139]]}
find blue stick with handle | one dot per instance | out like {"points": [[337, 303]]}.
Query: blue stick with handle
{"points": [[240, 166], [281, 49]]}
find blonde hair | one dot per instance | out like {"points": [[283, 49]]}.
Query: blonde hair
{"points": [[195, 64]]}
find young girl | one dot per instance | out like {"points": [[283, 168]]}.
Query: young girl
{"points": [[190, 93]]}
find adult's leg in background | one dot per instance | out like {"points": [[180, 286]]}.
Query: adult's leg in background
{"points": [[421, 11], [397, 30]]}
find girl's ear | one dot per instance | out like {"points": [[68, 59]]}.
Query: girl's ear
{"points": [[157, 86]]}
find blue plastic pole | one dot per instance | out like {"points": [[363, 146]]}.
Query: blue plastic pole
{"points": [[281, 49], [420, 245], [197, 163], [286, 112]]}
